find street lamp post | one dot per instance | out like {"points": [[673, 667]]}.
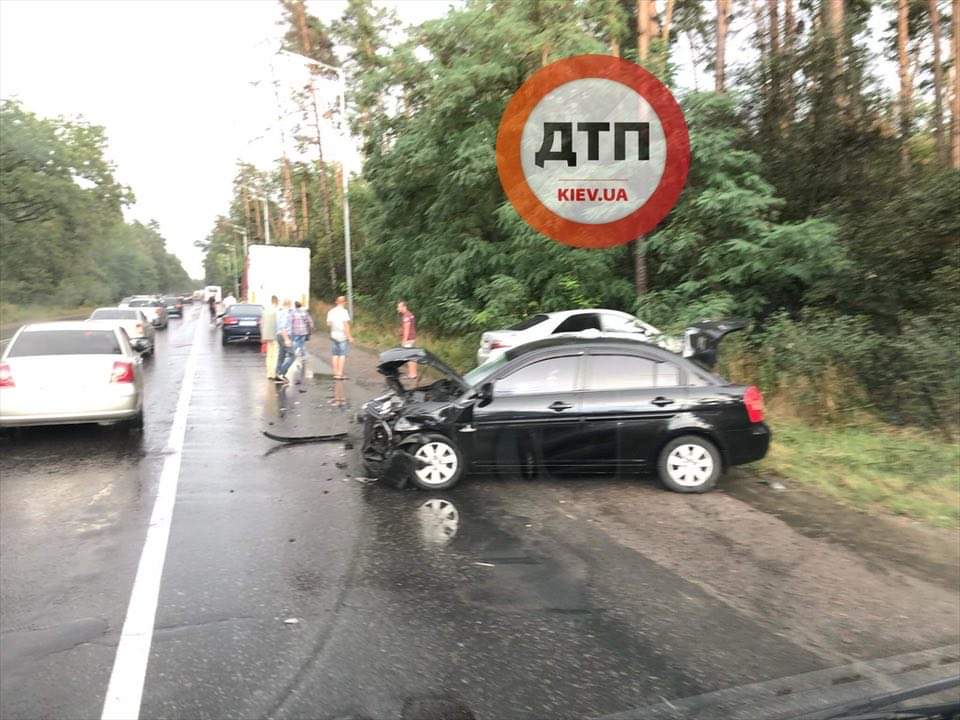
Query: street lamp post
{"points": [[342, 82]]}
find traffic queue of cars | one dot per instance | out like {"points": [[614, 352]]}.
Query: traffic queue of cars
{"points": [[568, 394], [84, 371]]}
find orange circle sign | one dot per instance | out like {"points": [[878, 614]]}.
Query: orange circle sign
{"points": [[593, 151]]}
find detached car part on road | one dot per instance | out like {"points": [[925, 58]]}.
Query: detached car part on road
{"points": [[565, 406], [68, 373]]}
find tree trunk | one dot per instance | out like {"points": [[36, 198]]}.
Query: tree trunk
{"points": [[667, 21], [643, 55], [643, 35], [937, 82], [720, 64], [955, 86], [906, 82], [773, 15]]}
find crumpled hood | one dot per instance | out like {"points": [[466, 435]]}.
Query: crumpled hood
{"points": [[392, 360]]}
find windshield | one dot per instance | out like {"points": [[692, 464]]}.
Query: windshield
{"points": [[480, 373], [65, 342]]}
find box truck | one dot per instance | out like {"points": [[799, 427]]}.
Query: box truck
{"points": [[279, 270]]}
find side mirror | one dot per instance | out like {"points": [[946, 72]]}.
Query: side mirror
{"points": [[485, 393]]}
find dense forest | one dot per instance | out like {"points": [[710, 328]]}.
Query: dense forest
{"points": [[63, 239], [823, 202]]}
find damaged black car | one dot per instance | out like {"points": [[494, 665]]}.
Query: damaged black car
{"points": [[567, 407]]}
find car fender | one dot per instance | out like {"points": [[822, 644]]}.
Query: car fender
{"points": [[690, 424]]}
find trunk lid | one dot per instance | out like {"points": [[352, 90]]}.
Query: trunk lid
{"points": [[50, 372], [701, 340]]}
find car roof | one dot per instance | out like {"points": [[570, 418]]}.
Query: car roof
{"points": [[585, 344], [70, 325], [566, 313]]}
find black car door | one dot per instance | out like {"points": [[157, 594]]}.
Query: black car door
{"points": [[533, 418], [628, 402]]}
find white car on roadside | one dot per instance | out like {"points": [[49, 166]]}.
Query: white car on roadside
{"points": [[61, 373], [134, 322], [589, 323]]}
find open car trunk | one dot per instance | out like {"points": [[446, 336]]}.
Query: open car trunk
{"points": [[702, 340]]}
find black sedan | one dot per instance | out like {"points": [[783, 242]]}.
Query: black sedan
{"points": [[241, 323], [566, 407]]}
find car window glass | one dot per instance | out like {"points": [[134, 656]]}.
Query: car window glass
{"points": [[546, 376], [668, 375], [113, 314], [66, 342], [620, 372], [577, 323]]}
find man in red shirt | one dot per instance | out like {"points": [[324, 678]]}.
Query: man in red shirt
{"points": [[408, 334]]}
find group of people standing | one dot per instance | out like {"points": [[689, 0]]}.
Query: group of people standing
{"points": [[284, 330]]}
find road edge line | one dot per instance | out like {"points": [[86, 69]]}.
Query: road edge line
{"points": [[128, 676]]}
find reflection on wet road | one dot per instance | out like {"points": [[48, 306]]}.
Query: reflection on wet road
{"points": [[293, 587]]}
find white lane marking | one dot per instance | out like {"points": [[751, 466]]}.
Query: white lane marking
{"points": [[125, 690]]}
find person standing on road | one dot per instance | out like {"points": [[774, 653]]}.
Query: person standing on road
{"points": [[212, 305], [301, 324], [338, 320], [268, 332], [408, 334], [285, 356]]}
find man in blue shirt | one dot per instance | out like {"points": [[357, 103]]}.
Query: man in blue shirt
{"points": [[285, 354]]}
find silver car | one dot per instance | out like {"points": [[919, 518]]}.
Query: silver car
{"points": [[70, 372], [134, 322], [589, 322], [152, 307]]}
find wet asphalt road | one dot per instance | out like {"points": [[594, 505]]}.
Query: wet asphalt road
{"points": [[504, 598]]}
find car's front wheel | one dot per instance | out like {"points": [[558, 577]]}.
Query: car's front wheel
{"points": [[690, 464], [439, 463]]}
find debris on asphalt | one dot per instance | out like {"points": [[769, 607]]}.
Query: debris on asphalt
{"points": [[291, 621], [348, 445], [484, 564], [773, 483], [341, 465]]}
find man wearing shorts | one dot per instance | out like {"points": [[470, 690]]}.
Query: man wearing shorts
{"points": [[408, 334], [338, 320]]}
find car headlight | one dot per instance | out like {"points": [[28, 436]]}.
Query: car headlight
{"points": [[405, 425]]}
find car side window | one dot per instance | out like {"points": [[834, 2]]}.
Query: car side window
{"points": [[629, 372], [554, 375], [581, 321]]}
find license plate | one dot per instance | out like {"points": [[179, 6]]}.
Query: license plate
{"points": [[248, 323]]}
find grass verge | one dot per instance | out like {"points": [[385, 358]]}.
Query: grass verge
{"points": [[12, 316], [872, 467]]}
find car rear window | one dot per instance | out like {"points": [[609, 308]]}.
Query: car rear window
{"points": [[528, 323], [142, 303], [115, 314], [171, 300], [245, 310], [626, 372], [579, 323], [65, 342]]}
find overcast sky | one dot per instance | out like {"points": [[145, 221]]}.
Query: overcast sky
{"points": [[170, 80]]}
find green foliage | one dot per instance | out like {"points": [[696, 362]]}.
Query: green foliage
{"points": [[62, 236]]}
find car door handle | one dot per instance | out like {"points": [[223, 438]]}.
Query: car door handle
{"points": [[559, 406], [661, 401]]}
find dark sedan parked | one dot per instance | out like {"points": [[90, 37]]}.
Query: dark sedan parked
{"points": [[566, 407], [174, 305], [241, 323]]}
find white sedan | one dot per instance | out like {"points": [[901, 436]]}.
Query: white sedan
{"points": [[68, 373], [590, 323]]}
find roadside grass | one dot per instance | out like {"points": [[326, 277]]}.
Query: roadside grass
{"points": [[13, 315], [871, 466], [850, 457]]}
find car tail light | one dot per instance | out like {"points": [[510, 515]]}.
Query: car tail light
{"points": [[753, 400], [122, 372], [497, 344], [6, 377], [230, 320]]}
